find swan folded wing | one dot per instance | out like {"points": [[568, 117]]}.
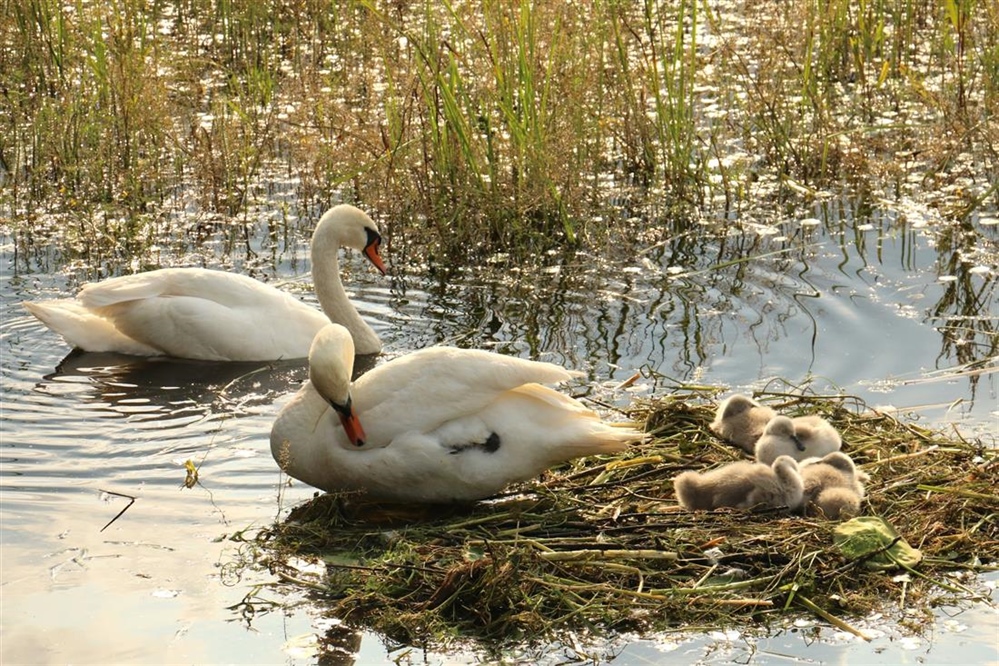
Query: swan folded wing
{"points": [[97, 295], [86, 330], [218, 286], [539, 424], [437, 384], [193, 327]]}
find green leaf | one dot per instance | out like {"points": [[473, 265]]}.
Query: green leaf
{"points": [[872, 539]]}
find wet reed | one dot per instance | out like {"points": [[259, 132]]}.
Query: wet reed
{"points": [[495, 124]]}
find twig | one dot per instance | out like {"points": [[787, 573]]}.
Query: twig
{"points": [[589, 555], [959, 492], [131, 501], [829, 617]]}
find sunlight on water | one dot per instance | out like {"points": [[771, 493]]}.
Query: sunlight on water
{"points": [[829, 306]]}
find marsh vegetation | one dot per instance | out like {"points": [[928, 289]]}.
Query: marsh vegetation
{"points": [[488, 126]]}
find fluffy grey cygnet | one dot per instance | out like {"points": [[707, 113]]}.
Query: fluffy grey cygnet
{"points": [[833, 486], [801, 437], [741, 420], [742, 485]]}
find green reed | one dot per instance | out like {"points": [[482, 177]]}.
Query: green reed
{"points": [[493, 126]]}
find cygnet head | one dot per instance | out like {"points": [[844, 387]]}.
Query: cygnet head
{"points": [[783, 427], [740, 420], [786, 470], [347, 226], [735, 405], [331, 362], [835, 503], [818, 435], [778, 439]]}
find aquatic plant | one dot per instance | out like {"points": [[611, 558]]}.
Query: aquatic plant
{"points": [[500, 125]]}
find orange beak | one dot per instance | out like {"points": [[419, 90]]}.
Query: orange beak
{"points": [[351, 424], [371, 252]]}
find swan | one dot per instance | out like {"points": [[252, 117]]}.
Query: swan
{"points": [[742, 485], [213, 315], [833, 486], [741, 420], [437, 425], [801, 437]]}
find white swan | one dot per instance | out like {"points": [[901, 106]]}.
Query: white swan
{"points": [[742, 485], [741, 420], [218, 316], [801, 437], [833, 486], [437, 425]]}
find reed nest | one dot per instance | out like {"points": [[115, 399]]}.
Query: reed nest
{"points": [[602, 546]]}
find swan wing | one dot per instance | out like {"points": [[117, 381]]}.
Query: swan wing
{"points": [[423, 390], [205, 314]]}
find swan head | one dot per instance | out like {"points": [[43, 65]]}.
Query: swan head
{"points": [[331, 362], [349, 226], [783, 427]]}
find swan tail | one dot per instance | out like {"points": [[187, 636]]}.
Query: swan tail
{"points": [[596, 437], [580, 430], [85, 330]]}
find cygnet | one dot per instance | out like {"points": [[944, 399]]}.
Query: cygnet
{"points": [[833, 486], [742, 485], [802, 437], [741, 420]]}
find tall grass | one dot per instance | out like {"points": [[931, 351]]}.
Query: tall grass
{"points": [[489, 125]]}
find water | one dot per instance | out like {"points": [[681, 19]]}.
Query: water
{"points": [[893, 313]]}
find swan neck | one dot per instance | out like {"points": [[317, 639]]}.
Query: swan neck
{"points": [[334, 300]]}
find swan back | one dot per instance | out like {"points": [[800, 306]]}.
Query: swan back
{"points": [[427, 388]]}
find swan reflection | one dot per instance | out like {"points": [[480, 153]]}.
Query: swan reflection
{"points": [[168, 388]]}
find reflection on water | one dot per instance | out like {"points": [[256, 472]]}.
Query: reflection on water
{"points": [[872, 302], [856, 306], [172, 389]]}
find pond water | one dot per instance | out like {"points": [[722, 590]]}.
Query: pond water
{"points": [[896, 313]]}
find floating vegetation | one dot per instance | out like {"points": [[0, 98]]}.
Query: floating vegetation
{"points": [[601, 545]]}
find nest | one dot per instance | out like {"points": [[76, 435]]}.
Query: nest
{"points": [[602, 546]]}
